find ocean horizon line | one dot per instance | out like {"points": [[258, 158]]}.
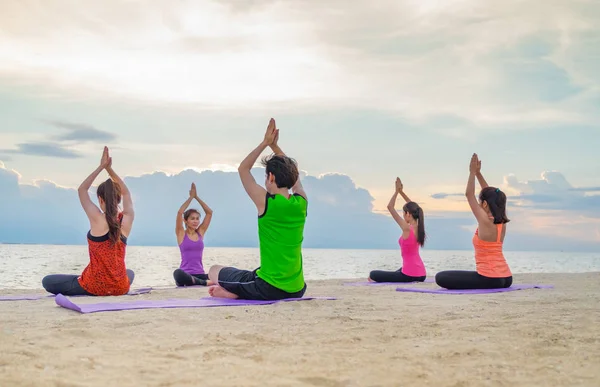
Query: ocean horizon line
{"points": [[583, 251]]}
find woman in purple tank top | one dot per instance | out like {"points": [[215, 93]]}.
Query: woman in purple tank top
{"points": [[191, 242]]}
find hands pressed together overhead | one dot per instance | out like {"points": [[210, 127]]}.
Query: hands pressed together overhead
{"points": [[475, 165], [272, 134], [106, 160]]}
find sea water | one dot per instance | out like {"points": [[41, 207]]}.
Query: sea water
{"points": [[24, 266]]}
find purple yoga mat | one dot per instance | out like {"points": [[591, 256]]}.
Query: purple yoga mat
{"points": [[171, 303], [475, 291], [367, 283], [23, 297]]}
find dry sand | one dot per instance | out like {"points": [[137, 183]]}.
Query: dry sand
{"points": [[370, 336]]}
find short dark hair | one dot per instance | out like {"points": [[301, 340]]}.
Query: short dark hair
{"points": [[496, 200], [285, 170]]}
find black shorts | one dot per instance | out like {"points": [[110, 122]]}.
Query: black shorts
{"points": [[248, 286]]}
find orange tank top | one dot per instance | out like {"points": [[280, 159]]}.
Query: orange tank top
{"points": [[489, 257], [106, 274]]}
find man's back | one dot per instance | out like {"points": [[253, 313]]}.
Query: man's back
{"points": [[281, 233]]}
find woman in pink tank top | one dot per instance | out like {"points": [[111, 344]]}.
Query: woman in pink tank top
{"points": [[191, 242], [412, 224], [492, 271]]}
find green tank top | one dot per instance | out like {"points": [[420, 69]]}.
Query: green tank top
{"points": [[280, 234]]}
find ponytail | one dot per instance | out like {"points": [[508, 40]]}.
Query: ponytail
{"points": [[421, 228], [496, 201], [417, 213], [111, 194]]}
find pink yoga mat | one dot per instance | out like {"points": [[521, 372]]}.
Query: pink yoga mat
{"points": [[23, 297], [171, 303], [367, 283], [475, 291]]}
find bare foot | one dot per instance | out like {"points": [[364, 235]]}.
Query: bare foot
{"points": [[217, 291], [210, 283], [211, 290], [370, 280]]}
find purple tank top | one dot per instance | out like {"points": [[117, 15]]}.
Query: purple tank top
{"points": [[191, 255]]}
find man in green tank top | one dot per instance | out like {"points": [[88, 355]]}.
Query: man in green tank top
{"points": [[281, 219]]}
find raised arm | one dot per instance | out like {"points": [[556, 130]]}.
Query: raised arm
{"points": [[400, 190], [482, 183], [179, 230], [392, 208], [297, 188], [255, 191], [207, 217], [477, 210], [92, 211], [128, 213]]}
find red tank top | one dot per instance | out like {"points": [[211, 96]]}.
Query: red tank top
{"points": [[106, 274]]}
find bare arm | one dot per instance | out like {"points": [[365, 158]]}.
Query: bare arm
{"points": [[297, 188], [477, 210], [254, 191], [128, 213], [178, 223], [91, 210], [482, 183], [481, 180], [406, 198], [207, 218], [392, 209]]}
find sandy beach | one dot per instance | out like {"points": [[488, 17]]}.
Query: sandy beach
{"points": [[370, 336]]}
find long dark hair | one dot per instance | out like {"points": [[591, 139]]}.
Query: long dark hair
{"points": [[110, 192], [496, 201], [417, 213]]}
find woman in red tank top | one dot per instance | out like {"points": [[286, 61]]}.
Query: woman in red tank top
{"points": [[490, 211], [106, 274]]}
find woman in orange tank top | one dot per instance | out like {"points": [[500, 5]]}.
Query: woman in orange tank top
{"points": [[490, 211], [106, 274]]}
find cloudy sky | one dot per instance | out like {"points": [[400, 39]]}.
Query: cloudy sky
{"points": [[362, 92]]}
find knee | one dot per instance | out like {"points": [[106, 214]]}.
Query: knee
{"points": [[374, 276], [213, 273], [440, 278], [46, 283]]}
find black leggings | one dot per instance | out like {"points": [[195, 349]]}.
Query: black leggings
{"points": [[68, 285], [393, 276], [184, 279], [459, 279]]}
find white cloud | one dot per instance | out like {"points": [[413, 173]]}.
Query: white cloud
{"points": [[554, 192], [415, 58], [340, 215]]}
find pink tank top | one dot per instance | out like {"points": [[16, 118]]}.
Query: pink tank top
{"points": [[191, 255], [412, 264]]}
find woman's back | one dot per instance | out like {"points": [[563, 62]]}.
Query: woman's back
{"points": [[106, 274], [412, 264], [489, 257]]}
